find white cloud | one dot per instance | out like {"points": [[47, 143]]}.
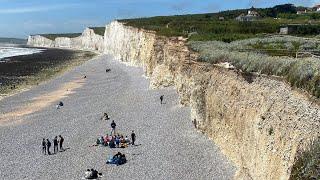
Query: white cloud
{"points": [[20, 10]]}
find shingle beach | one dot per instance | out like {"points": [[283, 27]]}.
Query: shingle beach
{"points": [[169, 146]]}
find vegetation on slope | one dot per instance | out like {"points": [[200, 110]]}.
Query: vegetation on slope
{"points": [[207, 27], [303, 72], [307, 166], [54, 36], [98, 30]]}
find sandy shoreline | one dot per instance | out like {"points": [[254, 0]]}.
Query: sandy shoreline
{"points": [[170, 146]]}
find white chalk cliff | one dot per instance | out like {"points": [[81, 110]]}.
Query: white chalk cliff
{"points": [[261, 124], [87, 41]]}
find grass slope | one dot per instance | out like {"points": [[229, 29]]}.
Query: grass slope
{"points": [[207, 27]]}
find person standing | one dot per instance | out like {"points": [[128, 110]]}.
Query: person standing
{"points": [[133, 137], [161, 99], [48, 146], [44, 150], [55, 144], [113, 126], [61, 142]]}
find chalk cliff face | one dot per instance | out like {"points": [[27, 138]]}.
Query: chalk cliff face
{"points": [[87, 41], [40, 41], [259, 123]]}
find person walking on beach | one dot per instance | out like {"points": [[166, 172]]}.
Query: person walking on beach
{"points": [[44, 150], [161, 99], [61, 142], [48, 146], [113, 126], [133, 137], [55, 144]]}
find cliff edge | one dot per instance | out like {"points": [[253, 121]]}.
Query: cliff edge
{"points": [[260, 123]]}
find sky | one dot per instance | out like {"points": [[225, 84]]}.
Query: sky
{"points": [[20, 18]]}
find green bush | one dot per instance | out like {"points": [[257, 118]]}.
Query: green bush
{"points": [[307, 166], [301, 72], [98, 30]]}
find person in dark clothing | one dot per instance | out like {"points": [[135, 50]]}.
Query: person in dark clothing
{"points": [[44, 150], [55, 145], [113, 126], [48, 146], [61, 142], [161, 99], [105, 117], [118, 155], [60, 104], [133, 137], [91, 174]]}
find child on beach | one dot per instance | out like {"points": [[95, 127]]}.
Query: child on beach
{"points": [[113, 126]]}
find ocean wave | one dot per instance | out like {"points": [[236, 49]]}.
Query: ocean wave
{"points": [[6, 52]]}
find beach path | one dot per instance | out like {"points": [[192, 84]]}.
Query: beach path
{"points": [[169, 147]]}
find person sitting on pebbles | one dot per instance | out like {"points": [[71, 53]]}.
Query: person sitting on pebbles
{"points": [[92, 174], [105, 117], [117, 159], [60, 104]]}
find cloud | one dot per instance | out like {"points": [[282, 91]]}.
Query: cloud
{"points": [[20, 10]]}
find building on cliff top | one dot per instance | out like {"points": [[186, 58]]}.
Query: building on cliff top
{"points": [[252, 15]]}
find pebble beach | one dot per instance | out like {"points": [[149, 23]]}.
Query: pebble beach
{"points": [[169, 147]]}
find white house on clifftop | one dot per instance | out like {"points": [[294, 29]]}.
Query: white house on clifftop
{"points": [[251, 16]]}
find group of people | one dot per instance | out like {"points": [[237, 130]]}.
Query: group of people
{"points": [[92, 174], [117, 159], [116, 141], [46, 145]]}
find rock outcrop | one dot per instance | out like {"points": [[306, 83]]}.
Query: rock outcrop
{"points": [[87, 41], [260, 123]]}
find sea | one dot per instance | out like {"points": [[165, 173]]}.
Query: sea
{"points": [[10, 50]]}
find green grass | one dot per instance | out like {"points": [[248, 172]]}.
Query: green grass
{"points": [[302, 72], [307, 166], [98, 30], [208, 27], [54, 36]]}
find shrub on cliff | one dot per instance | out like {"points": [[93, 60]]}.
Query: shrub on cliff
{"points": [[299, 72], [307, 165]]}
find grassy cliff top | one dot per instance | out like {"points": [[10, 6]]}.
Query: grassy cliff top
{"points": [[223, 26], [98, 30], [54, 36]]}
